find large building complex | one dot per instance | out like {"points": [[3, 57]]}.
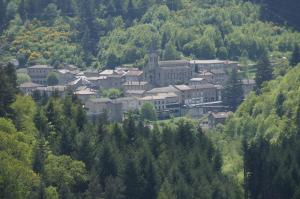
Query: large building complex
{"points": [[173, 87]]}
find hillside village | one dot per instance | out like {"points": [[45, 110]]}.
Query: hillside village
{"points": [[174, 87]]}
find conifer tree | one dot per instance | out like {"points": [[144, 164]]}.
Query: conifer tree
{"points": [[295, 59], [132, 180], [39, 157], [107, 164], [279, 104], [8, 88], [233, 91], [2, 15], [264, 70]]}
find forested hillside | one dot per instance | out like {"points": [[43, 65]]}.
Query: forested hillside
{"points": [[107, 33], [260, 142], [283, 12], [49, 149]]}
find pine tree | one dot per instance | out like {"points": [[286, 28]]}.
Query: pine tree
{"points": [[295, 59], [8, 89], [233, 91], [150, 190], [39, 157], [264, 70], [132, 181], [2, 15], [81, 117], [164, 40], [86, 151], [22, 10], [130, 129], [107, 164], [279, 104]]}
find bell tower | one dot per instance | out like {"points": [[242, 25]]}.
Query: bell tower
{"points": [[150, 69]]}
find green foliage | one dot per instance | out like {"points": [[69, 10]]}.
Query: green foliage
{"points": [[148, 112], [23, 78], [268, 124], [62, 170], [111, 33], [52, 79], [24, 110], [295, 59], [170, 52], [264, 70], [8, 88], [233, 91], [112, 93], [17, 180]]}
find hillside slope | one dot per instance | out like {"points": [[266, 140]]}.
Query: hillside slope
{"points": [[262, 138], [107, 33]]}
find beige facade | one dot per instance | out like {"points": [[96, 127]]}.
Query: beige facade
{"points": [[162, 101], [115, 109], [29, 87], [39, 73], [65, 76], [134, 75], [164, 73], [84, 94], [202, 65], [133, 85]]}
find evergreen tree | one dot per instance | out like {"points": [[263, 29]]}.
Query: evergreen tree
{"points": [[66, 144], [295, 59], [114, 188], [164, 40], [218, 161], [233, 91], [150, 190], [7, 89], [86, 151], [264, 70], [132, 181], [81, 117], [107, 164], [130, 129], [39, 157], [2, 16], [22, 10], [279, 104]]}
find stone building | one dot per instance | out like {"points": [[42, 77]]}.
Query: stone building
{"points": [[136, 85], [84, 93], [114, 108], [164, 103], [164, 73], [53, 90], [248, 86], [202, 65], [134, 75], [39, 73], [29, 87], [217, 118], [65, 76]]}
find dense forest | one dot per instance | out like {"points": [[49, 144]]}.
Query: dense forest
{"points": [[50, 149], [260, 142], [108, 33], [283, 12]]}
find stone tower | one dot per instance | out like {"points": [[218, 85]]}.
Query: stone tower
{"points": [[150, 69]]}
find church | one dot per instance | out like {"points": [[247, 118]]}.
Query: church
{"points": [[164, 73]]}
